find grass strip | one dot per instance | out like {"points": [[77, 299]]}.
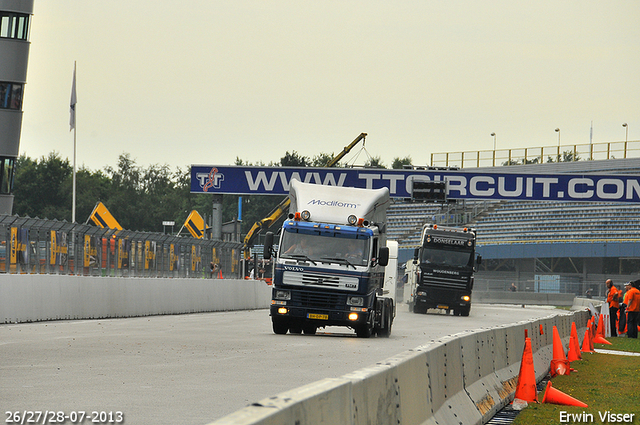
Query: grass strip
{"points": [[606, 382]]}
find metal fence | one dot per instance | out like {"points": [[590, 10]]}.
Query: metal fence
{"points": [[33, 245], [537, 155]]}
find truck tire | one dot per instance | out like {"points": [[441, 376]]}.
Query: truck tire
{"points": [[309, 329], [387, 320], [465, 311], [364, 331], [280, 327]]}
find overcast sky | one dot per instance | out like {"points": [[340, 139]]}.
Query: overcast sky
{"points": [[206, 81]]}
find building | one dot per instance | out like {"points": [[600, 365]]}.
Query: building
{"points": [[15, 20]]}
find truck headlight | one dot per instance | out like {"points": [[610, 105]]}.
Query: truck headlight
{"points": [[282, 295], [356, 301], [421, 294], [466, 298]]}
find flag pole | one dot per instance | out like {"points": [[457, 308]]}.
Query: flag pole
{"points": [[72, 123]]}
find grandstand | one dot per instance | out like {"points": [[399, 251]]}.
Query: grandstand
{"points": [[576, 244]]}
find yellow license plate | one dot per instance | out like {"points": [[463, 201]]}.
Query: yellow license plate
{"points": [[443, 306], [318, 316]]}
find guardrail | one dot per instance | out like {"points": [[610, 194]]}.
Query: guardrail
{"points": [[461, 379], [33, 245], [537, 155]]}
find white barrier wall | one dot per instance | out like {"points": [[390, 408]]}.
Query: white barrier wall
{"points": [[31, 298], [461, 379]]}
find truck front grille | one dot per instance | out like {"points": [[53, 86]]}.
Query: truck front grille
{"points": [[445, 282], [318, 300], [320, 280]]}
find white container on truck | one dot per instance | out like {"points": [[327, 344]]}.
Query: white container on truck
{"points": [[441, 273], [334, 266]]}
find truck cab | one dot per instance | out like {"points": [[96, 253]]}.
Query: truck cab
{"points": [[332, 272], [444, 265]]}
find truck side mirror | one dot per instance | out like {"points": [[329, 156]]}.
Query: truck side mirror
{"points": [[416, 254], [268, 245], [383, 256], [479, 259]]}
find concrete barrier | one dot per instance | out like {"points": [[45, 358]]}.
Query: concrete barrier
{"points": [[31, 298], [461, 379], [529, 298]]}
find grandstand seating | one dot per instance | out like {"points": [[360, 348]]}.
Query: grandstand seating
{"points": [[551, 221], [525, 222]]}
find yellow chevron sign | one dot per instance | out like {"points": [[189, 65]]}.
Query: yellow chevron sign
{"points": [[195, 225], [101, 217]]}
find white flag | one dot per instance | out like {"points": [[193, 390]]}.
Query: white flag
{"points": [[72, 109]]}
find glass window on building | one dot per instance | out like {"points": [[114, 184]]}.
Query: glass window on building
{"points": [[14, 25], [10, 96], [6, 175]]}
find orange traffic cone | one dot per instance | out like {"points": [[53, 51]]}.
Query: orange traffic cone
{"points": [[574, 354], [220, 274], [541, 330], [599, 338], [575, 344], [526, 387], [553, 396], [559, 363], [600, 328], [586, 342]]}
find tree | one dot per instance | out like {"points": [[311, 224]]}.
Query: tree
{"points": [[566, 156], [374, 162], [322, 160], [399, 163], [91, 187], [125, 197], [293, 159], [40, 189]]}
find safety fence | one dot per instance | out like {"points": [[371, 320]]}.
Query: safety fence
{"points": [[538, 155], [33, 245]]}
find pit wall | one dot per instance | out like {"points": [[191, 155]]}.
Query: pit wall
{"points": [[461, 379], [32, 298]]}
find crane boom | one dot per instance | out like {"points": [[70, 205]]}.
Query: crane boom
{"points": [[283, 206]]}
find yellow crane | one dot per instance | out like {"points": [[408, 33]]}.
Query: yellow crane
{"points": [[282, 207]]}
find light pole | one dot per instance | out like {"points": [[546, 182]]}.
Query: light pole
{"points": [[558, 131], [626, 138], [494, 148]]}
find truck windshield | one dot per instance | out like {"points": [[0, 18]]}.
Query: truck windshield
{"points": [[331, 247], [446, 257]]}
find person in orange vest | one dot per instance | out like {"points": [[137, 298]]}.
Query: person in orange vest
{"points": [[614, 305], [632, 300]]}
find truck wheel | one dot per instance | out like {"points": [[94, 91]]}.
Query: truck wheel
{"points": [[385, 332], [295, 329], [465, 311], [364, 331], [280, 327], [309, 329]]}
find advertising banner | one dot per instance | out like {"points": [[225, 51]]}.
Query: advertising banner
{"points": [[460, 184]]}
